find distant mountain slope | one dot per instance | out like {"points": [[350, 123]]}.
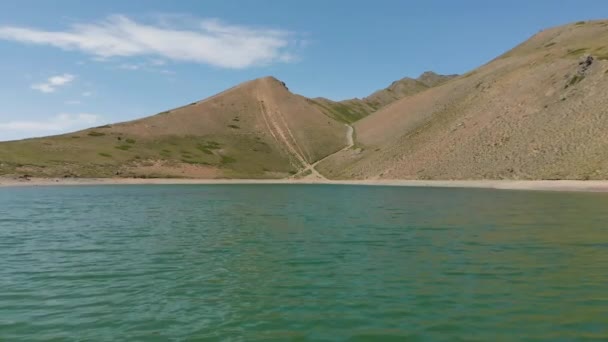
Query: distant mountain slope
{"points": [[352, 110], [255, 130], [540, 111]]}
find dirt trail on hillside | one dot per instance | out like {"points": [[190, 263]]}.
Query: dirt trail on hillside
{"points": [[350, 142], [280, 131], [314, 173]]}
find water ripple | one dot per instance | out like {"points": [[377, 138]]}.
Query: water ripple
{"points": [[331, 263]]}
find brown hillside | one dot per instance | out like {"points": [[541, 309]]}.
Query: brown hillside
{"points": [[538, 112], [257, 129]]}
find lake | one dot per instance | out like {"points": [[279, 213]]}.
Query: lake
{"points": [[301, 262]]}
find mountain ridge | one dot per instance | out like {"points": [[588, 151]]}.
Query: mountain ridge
{"points": [[354, 109]]}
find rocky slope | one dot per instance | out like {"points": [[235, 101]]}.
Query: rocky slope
{"points": [[539, 111]]}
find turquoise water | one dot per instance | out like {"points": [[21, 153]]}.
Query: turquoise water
{"points": [[301, 262]]}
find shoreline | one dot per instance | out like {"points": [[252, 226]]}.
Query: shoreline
{"points": [[539, 185]]}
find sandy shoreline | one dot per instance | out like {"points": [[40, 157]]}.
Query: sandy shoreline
{"points": [[544, 185]]}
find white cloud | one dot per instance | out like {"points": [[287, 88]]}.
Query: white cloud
{"points": [[43, 87], [149, 66], [127, 66], [87, 93], [53, 83], [157, 62], [61, 122], [72, 102], [209, 42], [61, 80]]}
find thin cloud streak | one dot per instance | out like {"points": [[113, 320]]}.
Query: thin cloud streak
{"points": [[61, 122], [211, 41]]}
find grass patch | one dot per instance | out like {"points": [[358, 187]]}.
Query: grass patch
{"points": [[96, 134], [107, 155], [123, 147], [75, 137], [577, 52], [104, 126], [550, 44], [213, 145], [227, 160], [208, 147], [342, 112], [204, 150], [575, 79], [165, 153], [130, 141], [234, 126], [579, 23]]}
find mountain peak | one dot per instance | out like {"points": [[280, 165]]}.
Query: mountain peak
{"points": [[428, 73], [269, 79], [432, 79]]}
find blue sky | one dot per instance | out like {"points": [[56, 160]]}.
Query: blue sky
{"points": [[68, 65]]}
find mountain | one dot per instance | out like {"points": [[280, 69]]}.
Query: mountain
{"points": [[352, 110], [255, 130], [540, 111]]}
